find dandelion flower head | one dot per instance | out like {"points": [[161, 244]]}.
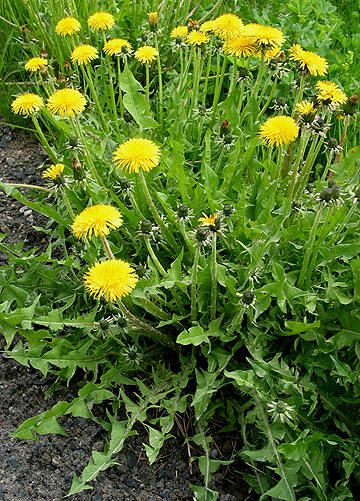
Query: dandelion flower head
{"points": [[96, 220], [279, 130], [117, 46], [66, 103], [208, 220], [67, 26], [305, 107], [179, 32], [227, 26], [84, 54], [329, 91], [240, 46], [101, 21], [111, 279], [265, 37], [146, 54], [208, 26], [36, 63], [136, 155], [53, 172], [308, 61], [27, 104], [197, 38]]}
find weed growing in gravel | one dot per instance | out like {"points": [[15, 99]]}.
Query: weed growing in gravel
{"points": [[203, 247]]}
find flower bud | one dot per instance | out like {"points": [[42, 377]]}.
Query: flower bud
{"points": [[248, 297], [146, 227], [228, 209], [326, 194], [153, 20]]}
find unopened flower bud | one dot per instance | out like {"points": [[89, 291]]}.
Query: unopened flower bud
{"points": [[153, 20], [248, 297], [146, 227], [326, 194], [228, 210], [202, 234]]}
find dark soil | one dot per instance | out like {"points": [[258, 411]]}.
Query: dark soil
{"points": [[43, 470]]}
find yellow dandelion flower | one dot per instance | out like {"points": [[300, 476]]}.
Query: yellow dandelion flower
{"points": [[197, 38], [116, 46], [83, 54], [179, 32], [272, 53], [279, 130], [101, 21], [146, 54], [96, 220], [265, 37], [36, 63], [27, 104], [308, 61], [208, 220], [153, 18], [67, 26], [137, 154], [240, 46], [208, 26], [227, 26], [66, 103], [329, 91], [53, 172], [305, 107], [111, 279]]}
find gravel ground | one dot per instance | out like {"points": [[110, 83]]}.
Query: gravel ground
{"points": [[42, 470]]}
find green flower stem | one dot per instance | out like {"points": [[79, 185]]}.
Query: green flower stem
{"points": [[342, 138], [43, 139], [135, 205], [309, 162], [233, 76], [67, 203], [259, 78], [88, 159], [27, 186], [218, 89], [282, 471], [112, 93], [120, 97], [196, 79], [194, 278], [107, 247], [89, 79], [309, 247], [168, 236], [236, 321], [185, 235], [269, 99], [148, 329], [300, 94], [326, 230], [206, 83], [154, 258], [214, 278], [264, 89], [241, 95], [161, 105], [304, 139], [147, 88], [184, 76]]}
